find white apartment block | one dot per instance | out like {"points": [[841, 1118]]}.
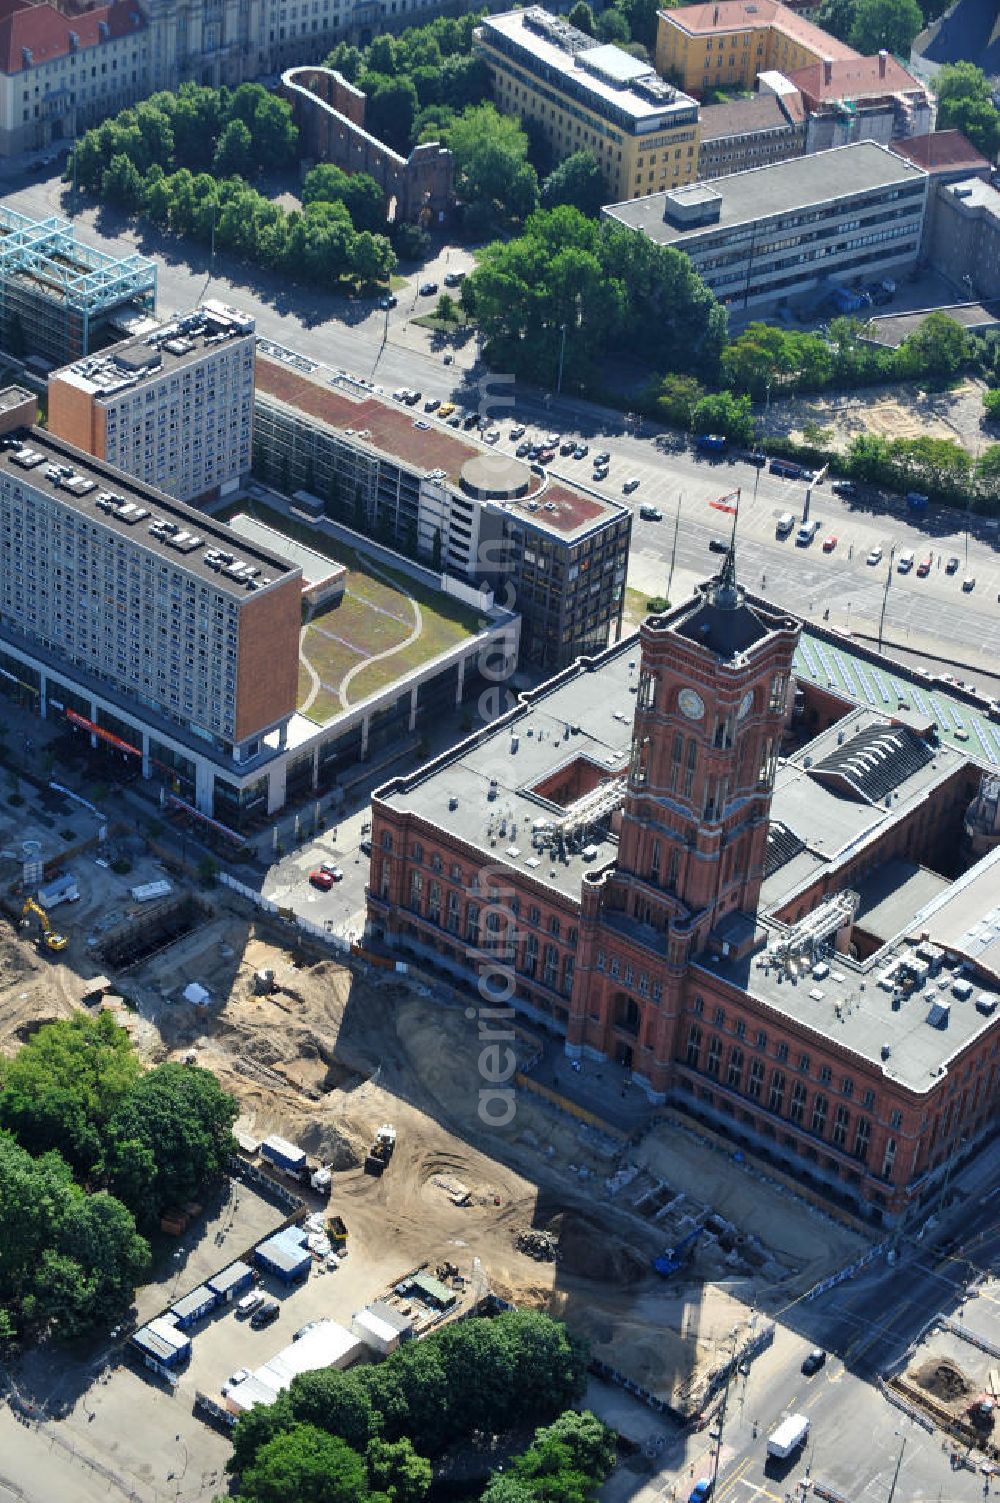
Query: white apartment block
{"points": [[172, 406]]}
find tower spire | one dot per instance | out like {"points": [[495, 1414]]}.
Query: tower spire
{"points": [[726, 593]]}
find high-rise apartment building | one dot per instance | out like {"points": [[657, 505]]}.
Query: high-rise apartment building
{"points": [[141, 617], [172, 407], [582, 95]]}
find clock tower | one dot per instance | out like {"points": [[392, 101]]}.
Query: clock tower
{"points": [[713, 691]]}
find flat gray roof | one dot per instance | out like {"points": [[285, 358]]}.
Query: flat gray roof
{"points": [[607, 74], [892, 893], [93, 478], [783, 188], [159, 351]]}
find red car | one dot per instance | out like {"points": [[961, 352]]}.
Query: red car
{"points": [[321, 879], [924, 568], [830, 543]]}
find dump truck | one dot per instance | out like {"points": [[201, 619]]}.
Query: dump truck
{"points": [[790, 1434], [48, 939], [382, 1150]]}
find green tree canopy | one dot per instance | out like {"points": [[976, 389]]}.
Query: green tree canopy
{"points": [[64, 1086], [178, 1117], [491, 166], [396, 1471], [578, 181], [582, 17], [939, 347], [305, 1465], [965, 103], [235, 150], [390, 109], [891, 24], [358, 191]]}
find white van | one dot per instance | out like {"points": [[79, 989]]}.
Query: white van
{"points": [[248, 1304], [784, 524], [904, 561]]}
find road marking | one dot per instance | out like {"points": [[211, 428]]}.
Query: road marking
{"points": [[730, 1482]]}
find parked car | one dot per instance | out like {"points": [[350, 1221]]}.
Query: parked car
{"points": [[567, 446], [428, 289], [600, 472], [249, 1303], [844, 488], [412, 398], [455, 422], [493, 437], [432, 404], [389, 301], [952, 566], [332, 870], [969, 583], [923, 568], [400, 394], [813, 1361], [518, 431], [321, 879], [874, 556], [754, 457], [806, 533], [523, 450], [581, 451], [630, 486], [701, 1491], [421, 423], [787, 468], [718, 545], [603, 457], [470, 420], [650, 513], [265, 1316], [446, 409], [546, 456], [830, 543], [454, 278], [553, 440], [365, 847], [239, 1376]]}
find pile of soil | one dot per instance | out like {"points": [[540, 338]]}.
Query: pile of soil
{"points": [[331, 1145], [943, 1379], [592, 1252]]}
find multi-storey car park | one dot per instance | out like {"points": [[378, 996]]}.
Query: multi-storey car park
{"points": [[172, 406], [555, 553], [749, 862], [60, 299]]}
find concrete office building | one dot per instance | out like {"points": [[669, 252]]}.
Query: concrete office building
{"points": [[60, 298], [861, 99], [746, 133], [721, 856], [726, 43], [172, 406], [964, 245], [581, 94], [553, 552], [140, 619], [947, 157], [770, 236]]}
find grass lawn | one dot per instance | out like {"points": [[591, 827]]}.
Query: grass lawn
{"points": [[442, 325], [636, 607], [375, 615]]}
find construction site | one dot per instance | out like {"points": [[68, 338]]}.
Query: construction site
{"points": [[656, 1248]]}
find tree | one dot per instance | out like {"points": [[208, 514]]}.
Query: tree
{"points": [[358, 191], [235, 150], [180, 1116], [395, 1469], [613, 27], [590, 1443], [447, 309], [336, 1401], [991, 405], [641, 18], [674, 398], [275, 134], [988, 465], [889, 24], [582, 17], [491, 166], [965, 103], [121, 182], [721, 412], [305, 1465], [837, 17], [64, 1086], [939, 347], [579, 181], [410, 241], [390, 109]]}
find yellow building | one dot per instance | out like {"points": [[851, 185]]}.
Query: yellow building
{"points": [[643, 131], [726, 43]]}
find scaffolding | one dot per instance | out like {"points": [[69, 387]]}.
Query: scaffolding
{"points": [[57, 296]]}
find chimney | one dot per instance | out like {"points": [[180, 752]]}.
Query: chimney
{"points": [[882, 59], [828, 70], [715, 18]]}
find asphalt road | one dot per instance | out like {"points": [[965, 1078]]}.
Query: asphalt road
{"points": [[357, 336]]}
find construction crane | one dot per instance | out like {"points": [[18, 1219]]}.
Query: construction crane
{"points": [[49, 938]]}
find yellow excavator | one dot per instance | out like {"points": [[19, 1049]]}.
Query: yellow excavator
{"points": [[49, 938]]}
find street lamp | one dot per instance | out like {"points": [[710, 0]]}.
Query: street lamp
{"points": [[895, 1475], [885, 596], [562, 357]]}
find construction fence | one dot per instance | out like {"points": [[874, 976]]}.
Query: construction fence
{"points": [[285, 915]]}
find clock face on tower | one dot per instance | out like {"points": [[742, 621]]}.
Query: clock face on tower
{"points": [[691, 704], [746, 705]]}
